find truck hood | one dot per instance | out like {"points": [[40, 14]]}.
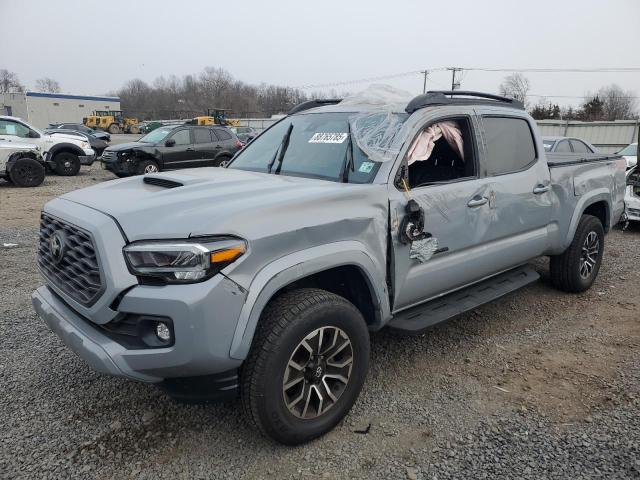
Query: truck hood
{"points": [[219, 201], [121, 147], [65, 137]]}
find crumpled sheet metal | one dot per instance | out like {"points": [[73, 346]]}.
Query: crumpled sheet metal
{"points": [[423, 250], [435, 202]]}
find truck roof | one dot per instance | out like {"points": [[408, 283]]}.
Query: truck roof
{"points": [[431, 98]]}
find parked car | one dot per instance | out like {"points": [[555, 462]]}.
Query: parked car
{"points": [[567, 145], [630, 154], [63, 153], [245, 134], [21, 164], [172, 147], [78, 127], [264, 278], [98, 145], [632, 194]]}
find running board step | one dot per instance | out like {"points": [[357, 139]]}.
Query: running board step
{"points": [[421, 317]]}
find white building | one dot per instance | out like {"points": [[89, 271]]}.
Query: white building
{"points": [[41, 109]]}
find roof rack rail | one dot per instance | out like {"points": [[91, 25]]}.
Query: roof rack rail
{"points": [[439, 97], [319, 102]]}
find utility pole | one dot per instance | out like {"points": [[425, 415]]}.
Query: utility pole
{"points": [[454, 85], [424, 85]]}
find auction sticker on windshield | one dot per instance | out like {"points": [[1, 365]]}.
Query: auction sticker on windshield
{"points": [[326, 137]]}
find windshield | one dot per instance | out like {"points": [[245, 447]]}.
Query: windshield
{"points": [[157, 135], [629, 150], [548, 145], [316, 148]]}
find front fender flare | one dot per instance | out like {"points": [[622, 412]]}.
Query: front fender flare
{"points": [[64, 146], [298, 265]]}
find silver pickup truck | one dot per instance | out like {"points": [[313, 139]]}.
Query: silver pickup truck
{"points": [[263, 280]]}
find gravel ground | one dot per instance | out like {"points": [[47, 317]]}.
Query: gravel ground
{"points": [[539, 384]]}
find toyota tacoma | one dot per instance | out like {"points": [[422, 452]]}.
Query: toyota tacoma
{"points": [[264, 279]]}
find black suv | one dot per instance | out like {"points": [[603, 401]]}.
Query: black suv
{"points": [[172, 147]]}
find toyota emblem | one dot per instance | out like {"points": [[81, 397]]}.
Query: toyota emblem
{"points": [[57, 246]]}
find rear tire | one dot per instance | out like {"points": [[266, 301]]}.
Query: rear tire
{"points": [[293, 394], [113, 129], [66, 164], [134, 130], [576, 269], [147, 166], [27, 172]]}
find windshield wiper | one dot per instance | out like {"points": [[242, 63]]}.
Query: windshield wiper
{"points": [[279, 155], [347, 164]]}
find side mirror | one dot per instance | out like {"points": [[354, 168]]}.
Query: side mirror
{"points": [[170, 143], [33, 134]]}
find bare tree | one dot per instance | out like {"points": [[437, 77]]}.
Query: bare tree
{"points": [[9, 82], [617, 104], [48, 85], [192, 95], [515, 86]]}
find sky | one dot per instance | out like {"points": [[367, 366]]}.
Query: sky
{"points": [[94, 47]]}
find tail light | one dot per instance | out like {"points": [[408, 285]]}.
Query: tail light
{"points": [[239, 144]]}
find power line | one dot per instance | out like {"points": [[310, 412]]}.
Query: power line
{"points": [[461, 70]]}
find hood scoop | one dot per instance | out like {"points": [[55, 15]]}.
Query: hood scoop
{"points": [[162, 182]]}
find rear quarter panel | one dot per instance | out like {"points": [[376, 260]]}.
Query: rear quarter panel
{"points": [[577, 186]]}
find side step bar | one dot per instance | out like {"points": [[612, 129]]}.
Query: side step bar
{"points": [[419, 318]]}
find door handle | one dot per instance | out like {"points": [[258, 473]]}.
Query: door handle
{"points": [[477, 201], [541, 189], [190, 150]]}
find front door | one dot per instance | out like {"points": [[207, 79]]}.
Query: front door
{"points": [[445, 182], [182, 154]]}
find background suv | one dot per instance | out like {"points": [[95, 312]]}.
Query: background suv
{"points": [[173, 147]]}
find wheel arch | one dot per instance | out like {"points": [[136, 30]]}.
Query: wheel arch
{"points": [[339, 268], [598, 204], [64, 147]]}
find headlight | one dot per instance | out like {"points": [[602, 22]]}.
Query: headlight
{"points": [[84, 144], [182, 261]]}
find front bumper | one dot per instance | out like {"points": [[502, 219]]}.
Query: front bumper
{"points": [[203, 315], [204, 322]]}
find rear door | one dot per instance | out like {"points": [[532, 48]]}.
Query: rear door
{"points": [[183, 153], [206, 144], [518, 188]]}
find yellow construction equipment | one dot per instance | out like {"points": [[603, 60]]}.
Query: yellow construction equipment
{"points": [[215, 116], [112, 121]]}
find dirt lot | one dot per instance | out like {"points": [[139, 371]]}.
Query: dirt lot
{"points": [[539, 384]]}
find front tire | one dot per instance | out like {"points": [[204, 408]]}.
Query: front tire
{"points": [[113, 129], [27, 172], [66, 164], [306, 367], [147, 166], [576, 269]]}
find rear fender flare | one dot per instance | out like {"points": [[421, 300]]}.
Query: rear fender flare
{"points": [[594, 196], [298, 265]]}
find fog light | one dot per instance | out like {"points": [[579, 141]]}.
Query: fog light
{"points": [[163, 332]]}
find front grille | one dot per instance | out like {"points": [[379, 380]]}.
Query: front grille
{"points": [[76, 271], [633, 211], [108, 155]]}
